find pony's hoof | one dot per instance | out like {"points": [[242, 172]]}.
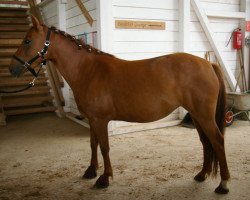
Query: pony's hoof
{"points": [[90, 173], [200, 178], [102, 182], [221, 190]]}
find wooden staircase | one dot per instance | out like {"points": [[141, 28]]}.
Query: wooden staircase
{"points": [[13, 26]]}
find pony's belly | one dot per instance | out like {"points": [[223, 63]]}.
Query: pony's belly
{"points": [[147, 114]]}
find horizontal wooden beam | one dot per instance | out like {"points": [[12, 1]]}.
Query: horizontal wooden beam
{"points": [[24, 3], [35, 109], [26, 101], [225, 14]]}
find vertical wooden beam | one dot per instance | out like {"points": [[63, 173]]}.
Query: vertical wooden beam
{"points": [[61, 22], [52, 76], [34, 10], [184, 35], [61, 14], [208, 31], [105, 25], [2, 116], [245, 7], [60, 112], [184, 25]]}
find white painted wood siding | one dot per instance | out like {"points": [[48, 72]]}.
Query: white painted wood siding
{"points": [[49, 13], [139, 44], [75, 21], [222, 29]]}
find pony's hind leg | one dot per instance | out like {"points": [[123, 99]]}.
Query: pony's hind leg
{"points": [[208, 155], [216, 139], [91, 171]]}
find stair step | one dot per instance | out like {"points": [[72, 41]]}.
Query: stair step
{"points": [[8, 12], [13, 27], [36, 90], [5, 74], [7, 52], [10, 42], [5, 62], [4, 69], [19, 82], [12, 35], [9, 21], [27, 75], [10, 9], [28, 101], [29, 110], [23, 3], [14, 23]]}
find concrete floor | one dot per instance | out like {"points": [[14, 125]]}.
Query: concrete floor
{"points": [[44, 157]]}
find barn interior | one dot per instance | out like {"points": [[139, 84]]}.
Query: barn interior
{"points": [[45, 140]]}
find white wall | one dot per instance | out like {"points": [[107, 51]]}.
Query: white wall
{"points": [[138, 44], [49, 13], [75, 21], [222, 29]]}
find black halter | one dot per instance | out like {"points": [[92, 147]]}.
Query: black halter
{"points": [[27, 65], [40, 54]]}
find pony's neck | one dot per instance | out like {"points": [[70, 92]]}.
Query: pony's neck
{"points": [[69, 60]]}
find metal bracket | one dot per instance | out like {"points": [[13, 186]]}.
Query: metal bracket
{"points": [[247, 41]]}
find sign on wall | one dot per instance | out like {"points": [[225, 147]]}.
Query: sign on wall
{"points": [[131, 24]]}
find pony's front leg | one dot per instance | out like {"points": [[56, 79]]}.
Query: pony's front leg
{"points": [[100, 128], [91, 171]]}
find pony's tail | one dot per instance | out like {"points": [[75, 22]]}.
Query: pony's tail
{"points": [[220, 111], [221, 103]]}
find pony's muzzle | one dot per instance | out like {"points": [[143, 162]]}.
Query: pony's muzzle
{"points": [[16, 70]]}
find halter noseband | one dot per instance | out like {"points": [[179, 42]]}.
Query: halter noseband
{"points": [[40, 54]]}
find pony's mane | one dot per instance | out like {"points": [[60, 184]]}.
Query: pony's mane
{"points": [[80, 43]]}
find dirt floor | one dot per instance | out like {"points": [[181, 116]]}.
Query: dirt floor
{"points": [[44, 157]]}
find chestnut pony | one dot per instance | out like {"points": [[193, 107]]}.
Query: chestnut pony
{"points": [[107, 88]]}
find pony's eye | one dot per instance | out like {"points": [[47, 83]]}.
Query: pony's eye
{"points": [[27, 41]]}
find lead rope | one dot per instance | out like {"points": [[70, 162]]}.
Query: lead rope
{"points": [[31, 84]]}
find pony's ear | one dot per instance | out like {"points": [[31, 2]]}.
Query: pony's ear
{"points": [[36, 23]]}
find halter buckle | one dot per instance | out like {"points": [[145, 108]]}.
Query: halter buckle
{"points": [[32, 83], [26, 65], [47, 43]]}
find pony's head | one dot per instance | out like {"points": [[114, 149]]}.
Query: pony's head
{"points": [[32, 51]]}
